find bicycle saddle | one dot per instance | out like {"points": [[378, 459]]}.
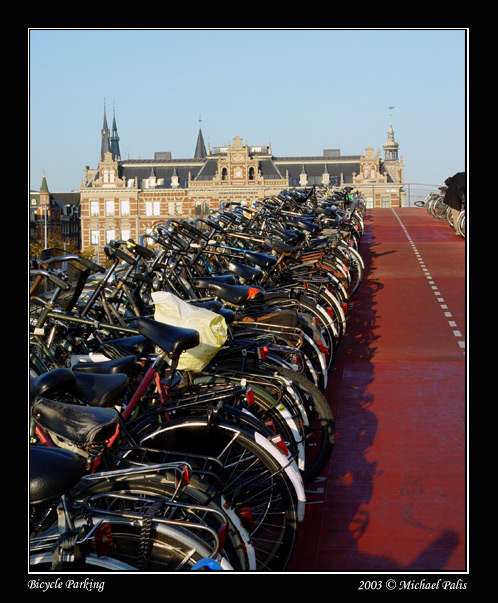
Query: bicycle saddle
{"points": [[310, 227], [216, 306], [92, 389], [52, 472], [99, 389], [236, 294], [203, 282], [326, 211], [136, 345], [171, 339], [107, 367], [280, 246], [57, 381], [81, 425], [291, 236], [262, 260], [248, 273]]}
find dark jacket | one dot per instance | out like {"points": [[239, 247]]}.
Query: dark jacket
{"points": [[456, 192]]}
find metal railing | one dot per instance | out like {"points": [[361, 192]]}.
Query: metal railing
{"points": [[416, 192]]}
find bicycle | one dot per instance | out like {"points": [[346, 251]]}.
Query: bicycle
{"points": [[116, 521], [243, 450]]}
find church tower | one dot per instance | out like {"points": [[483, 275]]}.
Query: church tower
{"points": [[110, 141], [105, 146], [200, 148], [114, 139], [392, 164]]}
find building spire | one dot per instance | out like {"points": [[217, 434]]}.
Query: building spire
{"points": [[200, 149], [114, 139], [44, 185], [104, 146]]}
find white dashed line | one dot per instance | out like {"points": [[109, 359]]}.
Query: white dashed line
{"points": [[433, 286]]}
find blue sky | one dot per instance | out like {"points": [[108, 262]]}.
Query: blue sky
{"points": [[303, 90]]}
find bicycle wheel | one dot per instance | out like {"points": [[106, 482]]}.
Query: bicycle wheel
{"points": [[320, 430], [253, 483], [306, 305], [355, 266], [305, 404], [139, 544], [438, 209], [461, 223], [274, 415], [42, 562], [156, 526]]}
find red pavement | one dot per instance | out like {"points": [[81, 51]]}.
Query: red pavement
{"points": [[393, 497]]}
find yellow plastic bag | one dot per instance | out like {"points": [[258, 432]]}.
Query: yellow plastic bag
{"points": [[212, 328]]}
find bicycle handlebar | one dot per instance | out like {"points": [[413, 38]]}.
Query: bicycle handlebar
{"points": [[140, 250], [113, 252], [73, 257], [51, 276]]}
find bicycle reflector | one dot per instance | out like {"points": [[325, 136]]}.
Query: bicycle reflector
{"points": [[324, 349], [262, 352], [245, 515], [182, 477], [250, 396], [222, 535], [103, 539], [280, 444]]}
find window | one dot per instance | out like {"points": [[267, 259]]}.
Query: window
{"points": [[175, 208], [109, 236], [94, 208], [125, 234], [385, 201], [108, 176], [94, 237], [125, 207], [152, 208], [109, 208]]}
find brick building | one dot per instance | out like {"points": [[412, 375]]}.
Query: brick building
{"points": [[123, 198], [54, 217]]}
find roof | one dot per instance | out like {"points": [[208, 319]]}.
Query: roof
{"points": [[271, 168]]}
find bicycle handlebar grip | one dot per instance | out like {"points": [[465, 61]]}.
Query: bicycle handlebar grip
{"points": [[55, 279], [91, 265], [115, 252], [143, 251], [195, 231]]}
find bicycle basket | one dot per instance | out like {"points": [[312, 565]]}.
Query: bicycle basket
{"points": [[77, 275]]}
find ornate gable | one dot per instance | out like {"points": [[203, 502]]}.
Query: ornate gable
{"points": [[108, 173], [369, 168], [237, 166]]}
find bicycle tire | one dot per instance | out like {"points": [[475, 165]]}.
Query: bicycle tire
{"points": [[317, 427], [252, 481], [272, 413], [321, 430], [174, 546], [42, 562], [306, 305]]}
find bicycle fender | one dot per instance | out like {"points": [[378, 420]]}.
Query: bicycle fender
{"points": [[290, 471]]}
